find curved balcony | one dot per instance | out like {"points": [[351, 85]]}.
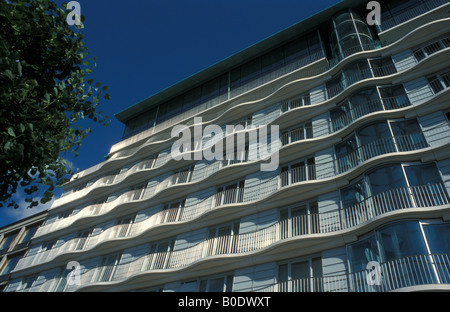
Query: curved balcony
{"points": [[333, 222], [419, 272], [413, 11], [163, 136], [212, 117], [323, 223], [381, 146], [343, 164], [354, 113]]}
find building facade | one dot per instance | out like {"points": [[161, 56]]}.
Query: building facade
{"points": [[15, 240], [360, 199]]}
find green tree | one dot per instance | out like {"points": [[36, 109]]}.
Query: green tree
{"points": [[45, 93]]}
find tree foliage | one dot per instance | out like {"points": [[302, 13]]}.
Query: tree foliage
{"points": [[45, 92]]}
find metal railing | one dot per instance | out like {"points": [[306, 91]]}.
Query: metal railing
{"points": [[358, 75], [381, 146], [304, 74], [413, 11], [430, 195], [375, 105], [239, 195], [298, 174], [405, 143]]}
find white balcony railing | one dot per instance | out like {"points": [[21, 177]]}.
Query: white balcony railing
{"points": [[431, 195], [418, 270]]}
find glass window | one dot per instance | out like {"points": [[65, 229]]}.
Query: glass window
{"points": [[435, 84], [446, 79], [297, 54], [297, 275], [402, 240], [406, 127], [174, 107], [375, 139], [283, 273], [251, 75], [9, 265], [438, 237], [365, 102], [29, 234], [382, 66], [394, 97], [345, 28], [408, 135], [356, 71], [386, 178], [335, 86], [271, 62], [356, 193], [7, 240], [419, 55], [342, 17], [340, 116], [187, 101], [347, 154], [361, 253], [300, 270], [216, 285], [350, 45], [422, 174]]}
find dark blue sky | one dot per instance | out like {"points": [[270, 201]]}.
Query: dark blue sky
{"points": [[145, 46]]}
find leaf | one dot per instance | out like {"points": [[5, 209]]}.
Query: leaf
{"points": [[8, 74], [11, 132], [107, 96], [19, 68], [7, 146]]}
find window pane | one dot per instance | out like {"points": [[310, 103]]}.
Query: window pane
{"points": [[356, 71], [426, 186], [10, 265], [422, 174], [438, 237], [435, 84], [362, 253], [382, 67], [354, 194], [386, 178], [365, 102], [317, 267], [375, 140], [341, 116], [394, 97], [229, 285], [408, 135], [402, 240], [216, 285], [300, 270], [374, 132], [283, 273]]}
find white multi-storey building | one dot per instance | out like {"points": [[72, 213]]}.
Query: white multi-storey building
{"points": [[362, 184]]}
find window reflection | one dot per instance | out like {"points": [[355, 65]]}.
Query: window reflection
{"points": [[378, 138], [388, 188], [409, 252]]}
